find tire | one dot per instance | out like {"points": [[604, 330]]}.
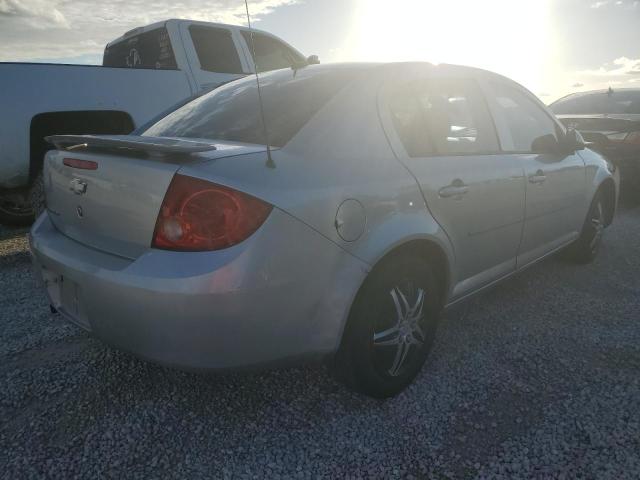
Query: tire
{"points": [[15, 214], [387, 338], [36, 196], [586, 248]]}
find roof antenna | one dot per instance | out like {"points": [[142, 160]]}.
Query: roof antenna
{"points": [[270, 163]]}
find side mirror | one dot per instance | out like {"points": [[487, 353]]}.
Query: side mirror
{"points": [[313, 60], [546, 144], [572, 141], [549, 145]]}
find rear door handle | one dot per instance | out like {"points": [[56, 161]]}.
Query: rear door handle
{"points": [[456, 189], [538, 177]]}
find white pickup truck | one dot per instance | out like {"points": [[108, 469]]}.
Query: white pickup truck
{"points": [[147, 71]]}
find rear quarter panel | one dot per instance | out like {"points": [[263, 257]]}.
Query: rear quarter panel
{"points": [[341, 154]]}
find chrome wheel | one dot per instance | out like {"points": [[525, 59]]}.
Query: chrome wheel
{"points": [[405, 335]]}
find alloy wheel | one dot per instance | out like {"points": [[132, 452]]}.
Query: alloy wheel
{"points": [[397, 341]]}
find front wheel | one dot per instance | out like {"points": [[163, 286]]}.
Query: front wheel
{"points": [[391, 327], [586, 247]]}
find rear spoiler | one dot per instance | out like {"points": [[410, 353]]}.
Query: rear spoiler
{"points": [[130, 142]]}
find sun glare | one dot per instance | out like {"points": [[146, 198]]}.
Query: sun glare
{"points": [[472, 32]]}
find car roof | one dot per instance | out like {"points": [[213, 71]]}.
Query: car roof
{"points": [[601, 91]]}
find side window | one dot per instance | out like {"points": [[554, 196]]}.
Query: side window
{"points": [[215, 49], [443, 117], [150, 49], [270, 54], [524, 119]]}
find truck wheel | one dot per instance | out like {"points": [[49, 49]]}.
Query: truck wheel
{"points": [[36, 196], [15, 212]]}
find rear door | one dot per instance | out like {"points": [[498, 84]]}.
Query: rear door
{"points": [[447, 140], [213, 53], [555, 182]]}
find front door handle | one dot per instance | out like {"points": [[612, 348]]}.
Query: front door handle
{"points": [[538, 177], [456, 189]]}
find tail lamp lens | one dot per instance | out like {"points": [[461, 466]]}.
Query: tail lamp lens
{"points": [[197, 215]]}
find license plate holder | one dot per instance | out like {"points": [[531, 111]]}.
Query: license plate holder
{"points": [[66, 297]]}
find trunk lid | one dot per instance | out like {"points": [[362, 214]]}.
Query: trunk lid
{"points": [[108, 192]]}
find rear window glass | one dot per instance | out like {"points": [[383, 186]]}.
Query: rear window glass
{"points": [[599, 104], [232, 111], [150, 49]]}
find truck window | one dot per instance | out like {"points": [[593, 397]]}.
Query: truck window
{"points": [[150, 49], [215, 49], [270, 54], [232, 112]]}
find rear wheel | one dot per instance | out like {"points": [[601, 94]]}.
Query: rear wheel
{"points": [[586, 248], [391, 328], [15, 210]]}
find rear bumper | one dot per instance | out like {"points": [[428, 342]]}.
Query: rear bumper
{"points": [[282, 294]]}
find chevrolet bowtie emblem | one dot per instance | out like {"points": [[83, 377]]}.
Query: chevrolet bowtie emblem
{"points": [[77, 186]]}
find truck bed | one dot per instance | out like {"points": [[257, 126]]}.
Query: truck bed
{"points": [[27, 89]]}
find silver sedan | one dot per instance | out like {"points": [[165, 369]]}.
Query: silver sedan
{"points": [[371, 197]]}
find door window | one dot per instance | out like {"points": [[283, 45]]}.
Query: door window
{"points": [[271, 54], [524, 119], [215, 49], [443, 117]]}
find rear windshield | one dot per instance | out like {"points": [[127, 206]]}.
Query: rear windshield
{"points": [[150, 49], [599, 103], [232, 111]]}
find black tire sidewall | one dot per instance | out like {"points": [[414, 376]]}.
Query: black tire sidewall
{"points": [[360, 327], [16, 219], [581, 251]]}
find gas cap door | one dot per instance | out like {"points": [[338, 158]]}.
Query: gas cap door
{"points": [[350, 220]]}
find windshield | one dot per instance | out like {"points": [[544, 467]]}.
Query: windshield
{"points": [[150, 49], [232, 111], [599, 104]]}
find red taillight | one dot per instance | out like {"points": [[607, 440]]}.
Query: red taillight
{"points": [[197, 215], [81, 164]]}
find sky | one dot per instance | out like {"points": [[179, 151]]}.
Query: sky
{"points": [[553, 47]]}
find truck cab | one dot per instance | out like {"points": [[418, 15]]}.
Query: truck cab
{"points": [[210, 53]]}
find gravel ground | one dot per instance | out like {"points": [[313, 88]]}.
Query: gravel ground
{"points": [[537, 378]]}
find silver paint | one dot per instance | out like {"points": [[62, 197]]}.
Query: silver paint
{"points": [[227, 308]]}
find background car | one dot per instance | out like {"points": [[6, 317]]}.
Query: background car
{"points": [[610, 121], [370, 198]]}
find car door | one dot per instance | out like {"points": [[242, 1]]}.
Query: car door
{"points": [[445, 136], [213, 54], [555, 186]]}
